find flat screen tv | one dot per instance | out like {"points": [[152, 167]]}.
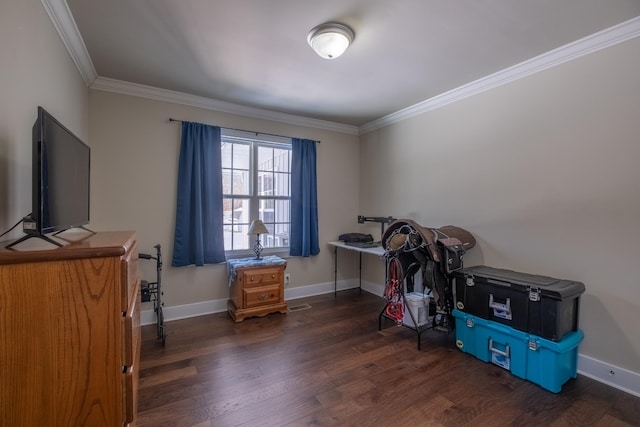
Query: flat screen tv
{"points": [[60, 179]]}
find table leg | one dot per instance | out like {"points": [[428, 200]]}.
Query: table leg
{"points": [[335, 271], [360, 277]]}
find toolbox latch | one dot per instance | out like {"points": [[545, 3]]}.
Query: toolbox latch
{"points": [[470, 281], [533, 345], [534, 294], [469, 323]]}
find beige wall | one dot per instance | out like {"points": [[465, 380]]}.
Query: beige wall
{"points": [[544, 172], [135, 158], [36, 70]]}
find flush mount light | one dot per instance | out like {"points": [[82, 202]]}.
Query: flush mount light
{"points": [[330, 40]]}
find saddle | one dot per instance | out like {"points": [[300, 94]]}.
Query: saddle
{"points": [[437, 252]]}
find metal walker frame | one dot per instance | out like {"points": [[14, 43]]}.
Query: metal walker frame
{"points": [[152, 291]]}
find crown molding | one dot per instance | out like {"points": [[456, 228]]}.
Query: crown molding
{"points": [[611, 36], [62, 20], [65, 25], [135, 89]]}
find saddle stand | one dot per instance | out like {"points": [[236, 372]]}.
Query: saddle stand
{"points": [[436, 253]]}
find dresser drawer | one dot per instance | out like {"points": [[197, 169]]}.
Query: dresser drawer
{"points": [[131, 355], [131, 332], [129, 277], [263, 295], [130, 379], [262, 276]]}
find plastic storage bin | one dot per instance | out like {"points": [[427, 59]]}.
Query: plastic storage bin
{"points": [[539, 305], [546, 363], [418, 304]]}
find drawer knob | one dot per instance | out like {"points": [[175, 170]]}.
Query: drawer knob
{"points": [[273, 276], [251, 279]]}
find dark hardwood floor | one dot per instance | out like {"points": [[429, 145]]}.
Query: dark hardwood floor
{"points": [[330, 366]]}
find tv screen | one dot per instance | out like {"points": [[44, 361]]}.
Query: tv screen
{"points": [[60, 176]]}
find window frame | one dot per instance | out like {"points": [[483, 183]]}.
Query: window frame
{"points": [[255, 141]]}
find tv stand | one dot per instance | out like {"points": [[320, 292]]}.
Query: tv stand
{"points": [[82, 227], [30, 235], [70, 337]]}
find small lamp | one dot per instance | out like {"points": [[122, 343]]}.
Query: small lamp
{"points": [[330, 40], [257, 228]]}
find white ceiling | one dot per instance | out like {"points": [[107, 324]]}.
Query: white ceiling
{"points": [[254, 53]]}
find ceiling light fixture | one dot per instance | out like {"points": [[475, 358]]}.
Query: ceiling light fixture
{"points": [[330, 40]]}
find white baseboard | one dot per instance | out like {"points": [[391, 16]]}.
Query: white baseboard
{"points": [[373, 288], [619, 378], [148, 317]]}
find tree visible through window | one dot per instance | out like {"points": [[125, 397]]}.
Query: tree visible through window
{"points": [[256, 180]]}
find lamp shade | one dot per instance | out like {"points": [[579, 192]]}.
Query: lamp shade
{"points": [[257, 227], [330, 40]]}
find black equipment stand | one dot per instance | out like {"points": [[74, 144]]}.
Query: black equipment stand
{"points": [[152, 291]]}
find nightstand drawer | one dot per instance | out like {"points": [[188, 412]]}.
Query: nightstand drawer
{"points": [[263, 295], [261, 276]]}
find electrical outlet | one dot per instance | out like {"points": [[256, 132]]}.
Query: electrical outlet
{"points": [[287, 279]]}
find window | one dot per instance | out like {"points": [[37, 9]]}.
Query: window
{"points": [[256, 184]]}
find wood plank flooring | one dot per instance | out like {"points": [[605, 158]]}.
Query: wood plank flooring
{"points": [[330, 366]]}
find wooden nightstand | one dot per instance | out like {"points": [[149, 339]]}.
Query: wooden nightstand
{"points": [[256, 287]]}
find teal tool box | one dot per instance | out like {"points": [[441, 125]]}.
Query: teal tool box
{"points": [[550, 364]]}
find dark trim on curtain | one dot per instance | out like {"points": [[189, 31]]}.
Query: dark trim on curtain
{"points": [[304, 239], [199, 236]]}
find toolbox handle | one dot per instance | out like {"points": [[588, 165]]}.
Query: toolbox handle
{"points": [[504, 353], [499, 282], [506, 307]]}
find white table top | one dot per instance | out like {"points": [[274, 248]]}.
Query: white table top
{"points": [[377, 250]]}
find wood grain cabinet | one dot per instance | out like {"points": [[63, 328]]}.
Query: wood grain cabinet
{"points": [[70, 333], [257, 291]]}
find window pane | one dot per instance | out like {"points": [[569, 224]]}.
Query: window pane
{"points": [[275, 214], [236, 161], [236, 224], [281, 160], [226, 181], [282, 211], [276, 237], [266, 213], [240, 211], [241, 156], [265, 158], [281, 184], [240, 238], [227, 152], [265, 184], [240, 183]]}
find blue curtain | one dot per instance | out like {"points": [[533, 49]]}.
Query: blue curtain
{"points": [[303, 240], [199, 237]]}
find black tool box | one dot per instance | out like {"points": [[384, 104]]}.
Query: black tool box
{"points": [[540, 305]]}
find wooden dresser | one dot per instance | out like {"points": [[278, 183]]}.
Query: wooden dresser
{"points": [[70, 333], [257, 290]]}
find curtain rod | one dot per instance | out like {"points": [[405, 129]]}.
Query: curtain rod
{"points": [[171, 119]]}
